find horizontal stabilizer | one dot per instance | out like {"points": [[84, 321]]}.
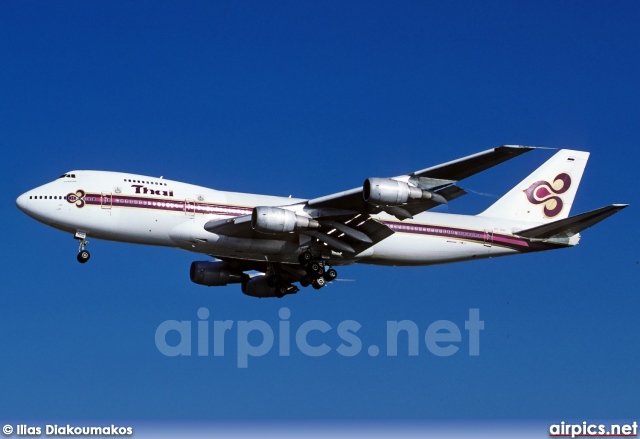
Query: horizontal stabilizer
{"points": [[565, 228]]}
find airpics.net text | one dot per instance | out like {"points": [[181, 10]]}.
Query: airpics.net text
{"points": [[257, 338]]}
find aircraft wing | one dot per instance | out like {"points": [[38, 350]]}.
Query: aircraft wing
{"points": [[467, 166], [345, 222], [350, 233], [440, 179]]}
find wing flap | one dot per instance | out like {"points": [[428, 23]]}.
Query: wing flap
{"points": [[333, 242], [350, 232], [371, 227]]}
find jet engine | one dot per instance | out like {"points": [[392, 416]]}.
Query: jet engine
{"points": [[258, 286], [213, 274], [388, 192], [274, 220]]}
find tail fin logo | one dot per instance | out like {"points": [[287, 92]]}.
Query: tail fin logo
{"points": [[543, 192]]}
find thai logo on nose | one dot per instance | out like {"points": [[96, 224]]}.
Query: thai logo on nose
{"points": [[77, 198], [543, 192]]}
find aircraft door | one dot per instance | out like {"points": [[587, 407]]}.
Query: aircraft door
{"points": [[190, 207], [106, 200], [488, 238]]}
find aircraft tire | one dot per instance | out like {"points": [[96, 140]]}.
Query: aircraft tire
{"points": [[315, 269], [306, 280], [330, 274], [319, 283], [83, 256], [305, 257]]}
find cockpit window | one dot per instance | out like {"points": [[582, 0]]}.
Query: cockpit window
{"points": [[68, 176]]}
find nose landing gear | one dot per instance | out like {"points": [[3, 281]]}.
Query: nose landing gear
{"points": [[83, 255]]}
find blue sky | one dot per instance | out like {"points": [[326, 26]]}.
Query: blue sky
{"points": [[308, 99]]}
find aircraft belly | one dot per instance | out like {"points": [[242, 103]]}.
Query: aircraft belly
{"points": [[124, 225], [250, 249]]}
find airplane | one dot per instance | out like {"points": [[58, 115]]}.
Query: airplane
{"points": [[282, 240]]}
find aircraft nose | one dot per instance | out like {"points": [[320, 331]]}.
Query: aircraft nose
{"points": [[22, 202]]}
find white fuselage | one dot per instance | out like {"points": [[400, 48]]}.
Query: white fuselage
{"points": [[147, 210]]}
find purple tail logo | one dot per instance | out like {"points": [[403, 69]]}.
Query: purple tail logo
{"points": [[543, 192]]}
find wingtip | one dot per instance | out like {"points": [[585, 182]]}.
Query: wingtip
{"points": [[516, 149]]}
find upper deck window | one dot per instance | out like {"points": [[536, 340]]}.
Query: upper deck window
{"points": [[159, 183]]}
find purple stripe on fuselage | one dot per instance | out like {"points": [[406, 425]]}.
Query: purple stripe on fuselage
{"points": [[191, 207], [165, 204], [478, 236]]}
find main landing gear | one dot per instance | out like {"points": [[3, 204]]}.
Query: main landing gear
{"points": [[83, 255], [316, 275]]}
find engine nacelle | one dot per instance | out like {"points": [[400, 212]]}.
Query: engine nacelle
{"points": [[213, 274], [258, 287], [274, 220], [388, 192]]}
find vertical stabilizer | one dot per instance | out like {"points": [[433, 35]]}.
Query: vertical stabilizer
{"points": [[547, 194]]}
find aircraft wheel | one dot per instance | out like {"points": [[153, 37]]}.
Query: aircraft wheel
{"points": [[330, 274], [306, 280], [319, 283], [305, 257], [315, 269], [83, 256]]}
